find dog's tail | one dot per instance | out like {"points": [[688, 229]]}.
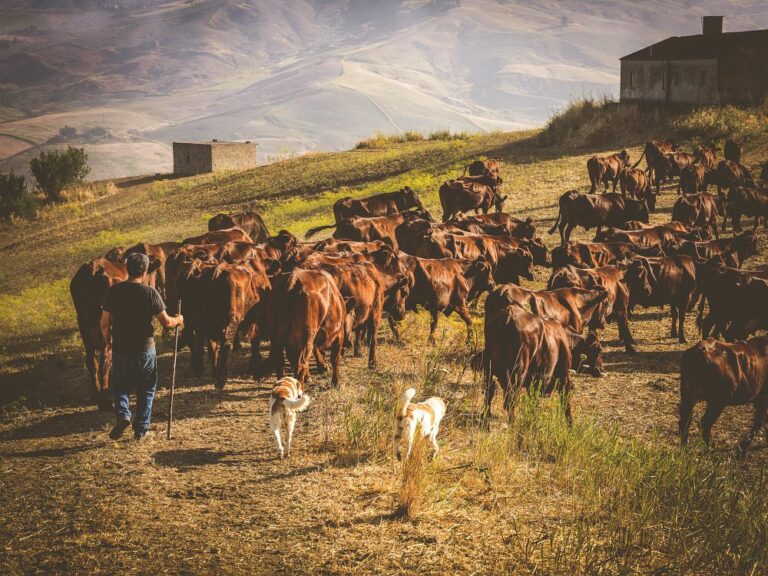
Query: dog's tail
{"points": [[405, 399], [297, 405]]}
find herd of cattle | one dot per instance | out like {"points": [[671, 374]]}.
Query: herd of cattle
{"points": [[388, 255]]}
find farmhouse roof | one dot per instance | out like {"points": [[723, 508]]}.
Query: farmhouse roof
{"points": [[700, 46]]}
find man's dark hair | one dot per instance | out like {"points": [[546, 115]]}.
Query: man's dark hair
{"points": [[137, 264]]}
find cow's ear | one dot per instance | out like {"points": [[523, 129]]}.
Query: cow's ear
{"points": [[388, 241]]}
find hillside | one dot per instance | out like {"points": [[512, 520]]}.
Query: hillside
{"points": [[612, 495], [308, 75]]}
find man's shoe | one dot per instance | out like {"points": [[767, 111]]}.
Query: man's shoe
{"points": [[119, 428], [142, 436]]}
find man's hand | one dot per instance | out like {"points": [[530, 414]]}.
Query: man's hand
{"points": [[170, 321], [179, 320]]}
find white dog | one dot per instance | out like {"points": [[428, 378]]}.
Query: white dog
{"points": [[286, 400], [428, 414]]}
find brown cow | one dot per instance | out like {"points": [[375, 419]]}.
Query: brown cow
{"points": [[487, 224], [333, 246], [234, 234], [595, 211], [673, 281], [362, 229], [723, 374], [679, 161], [648, 238], [747, 202], [305, 312], [596, 254], [177, 265], [249, 222], [462, 195], [697, 210], [732, 151], [379, 205], [634, 181], [444, 285], [523, 350], [744, 245], [730, 175], [606, 169], [695, 178], [654, 156], [572, 307], [738, 301], [219, 300], [616, 280], [488, 168], [88, 288], [706, 156]]}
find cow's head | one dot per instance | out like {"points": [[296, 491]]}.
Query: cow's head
{"points": [[649, 197], [541, 256], [587, 354], [746, 245], [396, 298], [527, 228], [638, 210], [640, 279], [624, 157], [513, 265], [481, 275]]}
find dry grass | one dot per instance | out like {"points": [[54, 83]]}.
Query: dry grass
{"points": [[611, 495], [409, 498]]}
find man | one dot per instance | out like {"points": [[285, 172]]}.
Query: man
{"points": [[126, 324]]}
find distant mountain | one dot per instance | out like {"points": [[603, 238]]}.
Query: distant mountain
{"points": [[298, 75]]}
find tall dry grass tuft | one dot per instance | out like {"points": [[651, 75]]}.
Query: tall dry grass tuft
{"points": [[411, 490]]}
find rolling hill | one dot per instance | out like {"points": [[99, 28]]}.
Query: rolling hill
{"points": [[309, 75]]}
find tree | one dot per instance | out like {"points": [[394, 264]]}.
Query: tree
{"points": [[14, 198], [56, 170]]}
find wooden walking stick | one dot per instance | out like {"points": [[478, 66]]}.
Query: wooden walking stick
{"points": [[173, 380]]}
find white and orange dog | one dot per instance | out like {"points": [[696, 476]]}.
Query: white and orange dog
{"points": [[286, 400], [426, 415]]}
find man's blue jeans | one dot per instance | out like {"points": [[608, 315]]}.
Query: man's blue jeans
{"points": [[139, 370]]}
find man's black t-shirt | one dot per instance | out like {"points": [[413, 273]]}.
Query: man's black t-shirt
{"points": [[132, 307]]}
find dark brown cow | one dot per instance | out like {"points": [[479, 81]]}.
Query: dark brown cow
{"points": [[605, 169], [331, 245], [654, 156], [648, 238], [697, 210], [305, 312], [219, 237], [634, 182], [732, 151], [706, 156], [115, 254], [88, 288], [747, 202], [462, 195], [595, 211], [373, 286], [572, 307], [744, 245], [616, 280], [488, 168], [730, 175], [379, 205], [487, 224], [523, 349], [444, 285], [695, 178], [673, 282], [723, 374], [249, 222], [216, 304], [738, 301], [679, 161], [361, 229], [177, 265], [596, 254]]}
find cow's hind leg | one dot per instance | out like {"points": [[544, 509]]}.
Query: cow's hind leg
{"points": [[757, 425], [433, 326], [686, 414], [335, 361]]}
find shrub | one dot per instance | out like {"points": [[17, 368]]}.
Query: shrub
{"points": [[14, 198], [56, 170]]}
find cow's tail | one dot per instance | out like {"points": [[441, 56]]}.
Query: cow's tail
{"points": [[636, 164], [557, 220], [312, 231]]}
